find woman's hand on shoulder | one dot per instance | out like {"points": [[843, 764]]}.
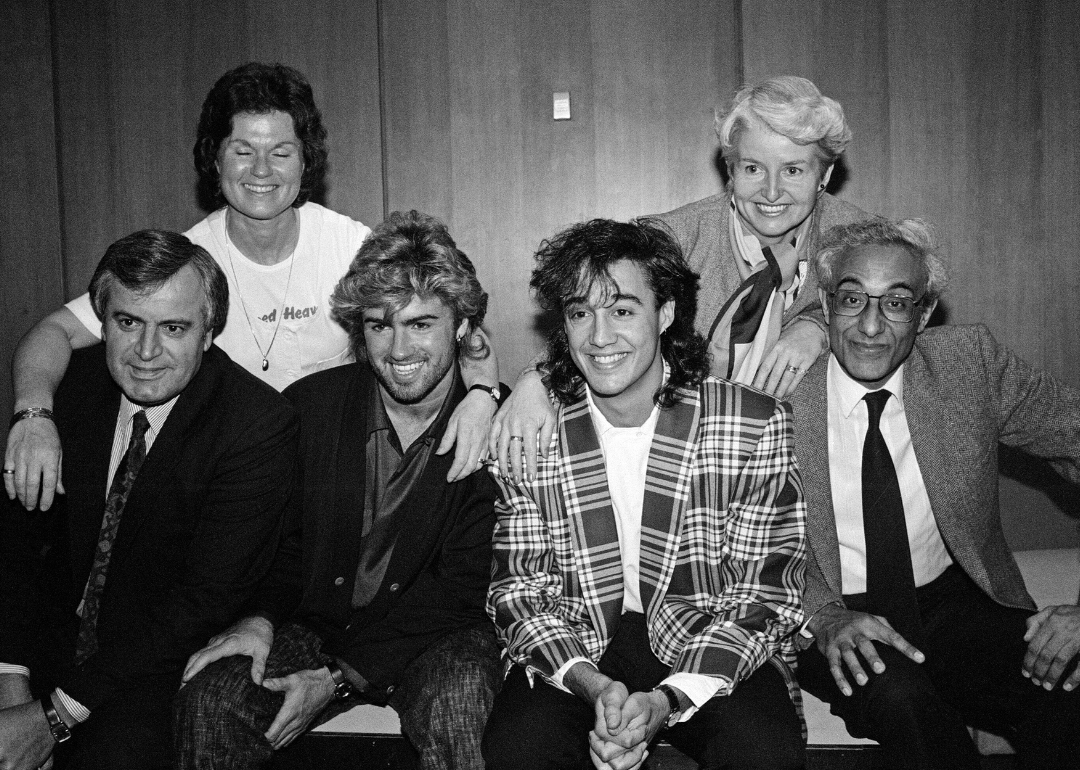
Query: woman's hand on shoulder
{"points": [[784, 366]]}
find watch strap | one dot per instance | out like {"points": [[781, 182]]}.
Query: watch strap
{"points": [[492, 391], [60, 731], [674, 707]]}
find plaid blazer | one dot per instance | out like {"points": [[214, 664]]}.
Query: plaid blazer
{"points": [[722, 542]]}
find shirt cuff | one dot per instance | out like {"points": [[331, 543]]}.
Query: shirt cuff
{"points": [[11, 668], [697, 687], [78, 711], [557, 677]]}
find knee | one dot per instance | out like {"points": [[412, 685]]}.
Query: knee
{"points": [[899, 693], [215, 691]]}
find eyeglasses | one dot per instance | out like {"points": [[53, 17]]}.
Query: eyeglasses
{"points": [[849, 302]]}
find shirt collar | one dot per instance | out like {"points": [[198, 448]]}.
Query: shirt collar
{"points": [[155, 415], [848, 393]]}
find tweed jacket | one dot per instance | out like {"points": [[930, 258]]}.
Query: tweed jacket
{"points": [[701, 228], [438, 574], [721, 541], [964, 393], [198, 532]]}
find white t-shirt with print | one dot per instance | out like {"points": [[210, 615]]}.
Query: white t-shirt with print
{"points": [[308, 339]]}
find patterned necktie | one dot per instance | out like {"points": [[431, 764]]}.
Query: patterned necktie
{"points": [[121, 485], [890, 581]]}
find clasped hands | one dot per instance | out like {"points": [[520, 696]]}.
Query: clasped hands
{"points": [[625, 726]]}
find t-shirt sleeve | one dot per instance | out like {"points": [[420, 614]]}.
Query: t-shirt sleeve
{"points": [[84, 311]]}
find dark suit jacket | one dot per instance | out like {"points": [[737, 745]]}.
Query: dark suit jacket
{"points": [[198, 532], [963, 394], [438, 574]]}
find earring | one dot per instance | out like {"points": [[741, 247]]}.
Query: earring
{"points": [[821, 187]]}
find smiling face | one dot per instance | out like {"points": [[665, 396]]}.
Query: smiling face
{"points": [[413, 350], [869, 346], [775, 182], [614, 339], [261, 164], [154, 341]]}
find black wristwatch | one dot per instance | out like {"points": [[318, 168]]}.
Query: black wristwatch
{"points": [[673, 703], [492, 391], [60, 731], [343, 688]]}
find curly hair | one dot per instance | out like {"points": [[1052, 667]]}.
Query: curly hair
{"points": [[259, 88], [792, 107], [146, 259], [410, 255], [914, 235], [581, 257]]}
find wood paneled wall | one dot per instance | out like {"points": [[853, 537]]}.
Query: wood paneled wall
{"points": [[31, 270], [470, 136], [963, 112], [963, 115]]}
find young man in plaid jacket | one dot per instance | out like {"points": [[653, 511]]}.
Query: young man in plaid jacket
{"points": [[655, 562]]}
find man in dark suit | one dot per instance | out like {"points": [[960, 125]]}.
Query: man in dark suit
{"points": [[383, 574], [104, 597], [920, 616]]}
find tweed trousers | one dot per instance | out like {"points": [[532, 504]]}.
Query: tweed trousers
{"points": [[443, 701]]}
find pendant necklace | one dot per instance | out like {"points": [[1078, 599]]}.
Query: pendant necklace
{"points": [[251, 327]]}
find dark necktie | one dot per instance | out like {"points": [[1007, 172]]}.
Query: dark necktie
{"points": [[890, 582], [121, 485]]}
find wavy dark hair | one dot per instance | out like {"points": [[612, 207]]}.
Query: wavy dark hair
{"points": [[259, 88], [146, 259], [410, 254], [580, 257]]}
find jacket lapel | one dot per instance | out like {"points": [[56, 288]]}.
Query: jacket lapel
{"points": [[930, 417], [667, 491], [583, 487], [350, 472], [811, 402]]}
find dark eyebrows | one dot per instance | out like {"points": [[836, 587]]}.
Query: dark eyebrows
{"points": [[611, 299]]}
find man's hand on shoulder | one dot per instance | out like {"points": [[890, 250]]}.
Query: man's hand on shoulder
{"points": [[253, 636], [1053, 637], [307, 693], [26, 742], [844, 635]]}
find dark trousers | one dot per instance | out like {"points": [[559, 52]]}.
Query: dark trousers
{"points": [[131, 730], [974, 648], [543, 727], [443, 701]]}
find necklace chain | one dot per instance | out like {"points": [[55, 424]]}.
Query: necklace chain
{"points": [[243, 305]]}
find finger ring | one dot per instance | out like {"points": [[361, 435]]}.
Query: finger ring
{"points": [[517, 438], [793, 369], [9, 471]]}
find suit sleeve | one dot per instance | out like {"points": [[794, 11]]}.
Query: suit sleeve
{"points": [[238, 508], [759, 604], [528, 598], [1036, 413]]}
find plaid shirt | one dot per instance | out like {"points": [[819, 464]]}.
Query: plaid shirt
{"points": [[722, 542]]}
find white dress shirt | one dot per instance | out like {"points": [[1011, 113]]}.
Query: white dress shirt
{"points": [[848, 422]]}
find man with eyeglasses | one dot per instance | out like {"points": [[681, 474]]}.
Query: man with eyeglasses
{"points": [[919, 617]]}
